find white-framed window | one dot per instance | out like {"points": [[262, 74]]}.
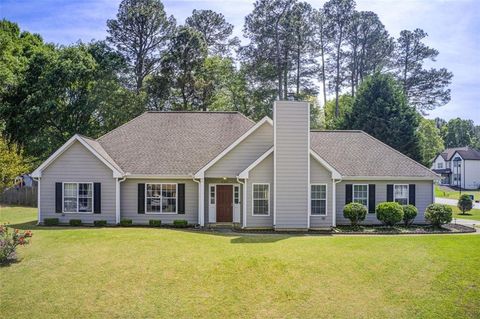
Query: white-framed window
{"points": [[360, 194], [318, 200], [77, 197], [212, 194], [400, 194], [261, 199], [440, 165], [161, 198], [236, 194]]}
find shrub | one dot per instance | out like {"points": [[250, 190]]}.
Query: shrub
{"points": [[51, 221], [100, 223], [465, 203], [75, 222], [126, 222], [180, 223], [438, 214], [389, 213], [9, 241], [409, 214], [155, 223], [355, 212]]}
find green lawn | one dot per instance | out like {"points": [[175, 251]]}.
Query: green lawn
{"points": [[447, 192], [154, 273], [473, 214]]}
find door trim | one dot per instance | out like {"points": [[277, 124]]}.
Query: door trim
{"points": [[212, 208]]}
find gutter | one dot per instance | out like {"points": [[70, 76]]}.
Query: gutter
{"points": [[39, 217], [244, 200], [117, 199], [334, 201]]}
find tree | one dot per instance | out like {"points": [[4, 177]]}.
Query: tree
{"points": [[425, 89], [141, 32], [430, 141], [12, 163], [380, 108], [345, 103], [323, 48], [465, 204], [459, 133]]}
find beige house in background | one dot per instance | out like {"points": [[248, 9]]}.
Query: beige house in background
{"points": [[220, 167]]}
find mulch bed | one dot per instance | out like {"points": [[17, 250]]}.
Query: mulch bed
{"points": [[401, 230]]}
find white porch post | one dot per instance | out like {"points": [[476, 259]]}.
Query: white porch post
{"points": [[245, 202], [201, 202], [117, 201], [38, 202]]}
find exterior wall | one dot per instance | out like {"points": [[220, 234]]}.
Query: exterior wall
{"points": [[129, 201], [472, 174], [424, 196], [439, 159], [77, 164], [209, 214], [320, 175], [291, 157], [245, 153], [262, 173]]}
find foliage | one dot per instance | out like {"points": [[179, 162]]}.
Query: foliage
{"points": [[465, 203], [180, 223], [438, 214], [12, 163], [10, 240], [389, 213], [345, 103], [51, 221], [355, 212], [430, 142], [125, 222], [155, 223], [100, 223], [75, 222], [460, 133], [409, 214]]}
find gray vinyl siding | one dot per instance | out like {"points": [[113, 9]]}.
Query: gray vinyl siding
{"points": [[291, 120], [245, 153], [77, 164], [129, 201], [423, 198], [261, 174], [320, 175]]}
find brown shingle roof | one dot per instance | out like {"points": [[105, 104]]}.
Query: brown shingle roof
{"points": [[467, 153]]}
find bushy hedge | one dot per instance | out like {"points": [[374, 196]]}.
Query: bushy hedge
{"points": [[438, 214], [51, 221], [180, 223], [409, 214], [355, 212], [100, 223], [75, 222], [155, 223], [389, 213], [126, 222]]}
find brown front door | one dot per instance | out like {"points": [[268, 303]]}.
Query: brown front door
{"points": [[224, 203]]}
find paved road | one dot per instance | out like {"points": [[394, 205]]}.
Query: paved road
{"points": [[453, 202]]}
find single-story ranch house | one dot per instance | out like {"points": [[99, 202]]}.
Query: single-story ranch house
{"points": [[220, 167]]}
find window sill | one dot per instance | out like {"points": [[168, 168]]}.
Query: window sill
{"points": [[149, 213], [260, 215], [77, 212]]}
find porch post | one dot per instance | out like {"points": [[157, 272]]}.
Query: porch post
{"points": [[201, 202]]}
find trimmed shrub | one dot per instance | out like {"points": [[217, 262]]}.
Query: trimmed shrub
{"points": [[465, 203], [155, 223], [51, 221], [389, 213], [100, 223], [356, 212], [438, 214], [180, 223], [125, 222], [75, 222], [409, 214]]}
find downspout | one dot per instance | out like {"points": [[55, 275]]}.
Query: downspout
{"points": [[39, 217], [334, 201], [201, 200], [117, 197], [244, 192]]}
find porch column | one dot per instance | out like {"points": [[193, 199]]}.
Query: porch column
{"points": [[201, 202]]}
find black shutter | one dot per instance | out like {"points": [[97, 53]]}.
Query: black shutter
{"points": [[97, 198], [141, 198], [371, 198], [181, 199], [411, 194], [58, 198], [389, 193], [348, 193]]}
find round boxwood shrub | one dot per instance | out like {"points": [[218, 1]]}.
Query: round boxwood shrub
{"points": [[355, 212], [409, 214], [389, 213], [438, 214], [465, 204]]}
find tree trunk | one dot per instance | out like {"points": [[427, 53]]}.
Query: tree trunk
{"points": [[322, 52]]}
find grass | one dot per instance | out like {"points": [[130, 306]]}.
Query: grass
{"points": [[447, 192], [473, 214], [86, 272]]}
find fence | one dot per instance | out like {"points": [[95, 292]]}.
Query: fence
{"points": [[25, 196]]}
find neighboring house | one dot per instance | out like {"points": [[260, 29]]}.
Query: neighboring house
{"points": [[459, 167], [220, 167]]}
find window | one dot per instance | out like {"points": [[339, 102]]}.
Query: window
{"points": [[161, 198], [212, 195], [261, 198], [439, 165], [400, 194], [319, 200], [360, 194], [236, 195], [78, 197]]}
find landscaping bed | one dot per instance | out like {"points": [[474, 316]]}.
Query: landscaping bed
{"points": [[400, 230]]}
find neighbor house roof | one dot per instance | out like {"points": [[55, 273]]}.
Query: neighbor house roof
{"points": [[357, 154], [467, 153], [173, 143]]}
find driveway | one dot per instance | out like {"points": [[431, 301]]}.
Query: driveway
{"points": [[452, 202]]}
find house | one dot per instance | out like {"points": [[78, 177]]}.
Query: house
{"points": [[220, 167], [458, 167]]}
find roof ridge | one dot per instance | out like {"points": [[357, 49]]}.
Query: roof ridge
{"points": [[335, 131]]}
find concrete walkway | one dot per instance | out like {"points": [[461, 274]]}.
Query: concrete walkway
{"points": [[452, 202]]}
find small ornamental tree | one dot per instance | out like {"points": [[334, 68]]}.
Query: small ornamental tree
{"points": [[438, 214], [9, 241], [409, 214], [465, 204], [355, 212], [390, 213]]}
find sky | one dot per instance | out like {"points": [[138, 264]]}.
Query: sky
{"points": [[453, 27]]}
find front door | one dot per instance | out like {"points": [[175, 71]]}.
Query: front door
{"points": [[224, 203]]}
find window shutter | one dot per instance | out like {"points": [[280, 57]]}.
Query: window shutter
{"points": [[348, 193], [141, 198], [181, 198], [389, 193], [411, 194], [58, 198], [371, 198], [97, 198]]}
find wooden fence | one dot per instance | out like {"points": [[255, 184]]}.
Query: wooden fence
{"points": [[25, 196]]}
